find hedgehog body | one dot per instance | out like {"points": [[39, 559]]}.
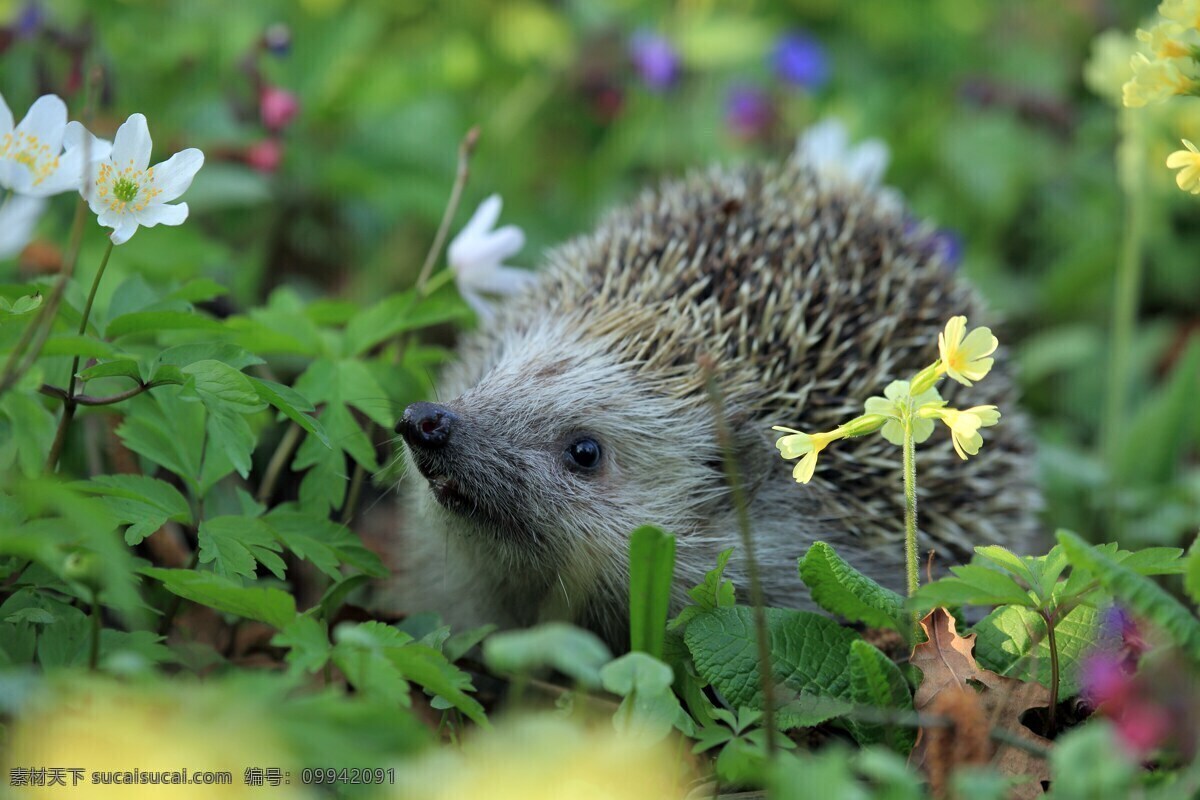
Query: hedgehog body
{"points": [[809, 295]]}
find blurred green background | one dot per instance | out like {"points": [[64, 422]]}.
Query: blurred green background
{"points": [[331, 129]]}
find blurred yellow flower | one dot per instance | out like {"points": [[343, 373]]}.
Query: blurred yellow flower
{"points": [[964, 425], [546, 758], [1157, 80], [1185, 12], [1188, 163], [1168, 40], [1107, 70], [808, 445], [964, 356], [103, 741]]}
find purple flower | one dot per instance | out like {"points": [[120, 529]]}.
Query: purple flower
{"points": [[29, 22], [949, 245], [749, 112], [654, 59], [799, 59], [277, 38]]}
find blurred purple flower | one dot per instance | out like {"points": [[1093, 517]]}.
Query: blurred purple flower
{"points": [[277, 39], [654, 59], [30, 20], [799, 59], [949, 245], [1118, 624], [749, 112], [1104, 680]]}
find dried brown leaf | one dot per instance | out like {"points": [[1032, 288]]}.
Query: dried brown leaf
{"points": [[947, 663]]}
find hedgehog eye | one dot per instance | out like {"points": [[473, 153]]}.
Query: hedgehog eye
{"points": [[583, 454]]}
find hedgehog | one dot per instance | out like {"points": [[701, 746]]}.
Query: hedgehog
{"points": [[579, 412]]}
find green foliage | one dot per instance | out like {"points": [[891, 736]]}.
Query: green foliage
{"points": [[649, 708], [576, 653], [840, 589], [651, 568], [1012, 641], [876, 682]]}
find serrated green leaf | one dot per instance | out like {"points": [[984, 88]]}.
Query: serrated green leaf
{"points": [[398, 314], [809, 654], [357, 387], [840, 589], [1142, 595], [1012, 641], [651, 567], [971, 584], [572, 651], [307, 640], [427, 667], [292, 404], [272, 606], [323, 542], [360, 652], [1009, 560], [144, 503], [233, 545], [216, 382], [153, 321], [876, 681]]}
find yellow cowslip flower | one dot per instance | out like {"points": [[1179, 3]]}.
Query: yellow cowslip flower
{"points": [[894, 407], [1157, 80], [1185, 12], [1188, 163], [964, 425], [1107, 68], [1168, 40], [546, 758], [964, 356], [808, 445]]}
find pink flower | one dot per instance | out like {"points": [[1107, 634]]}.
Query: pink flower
{"points": [[264, 156], [278, 107], [1142, 727], [1105, 682]]}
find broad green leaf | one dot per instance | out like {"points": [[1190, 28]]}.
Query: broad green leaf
{"points": [[1003, 557], [75, 345], [153, 321], [1154, 561], [877, 682], [337, 593], [809, 654], [173, 440], [397, 314], [121, 368], [227, 353], [233, 545], [971, 584], [217, 382], [649, 709], [1090, 762], [272, 606], [572, 651], [323, 542], [651, 567], [1142, 595], [144, 503], [198, 290], [840, 589], [1011, 641], [357, 387], [292, 404]]}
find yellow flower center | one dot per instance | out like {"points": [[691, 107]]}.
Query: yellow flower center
{"points": [[128, 190], [26, 149]]}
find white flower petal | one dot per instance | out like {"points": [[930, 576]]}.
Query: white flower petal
{"points": [[173, 177], [18, 218], [866, 163], [484, 218], [131, 146], [47, 120], [483, 309], [501, 280], [127, 227], [6, 117], [159, 214], [67, 178], [91, 176], [90, 146], [824, 143], [492, 249]]}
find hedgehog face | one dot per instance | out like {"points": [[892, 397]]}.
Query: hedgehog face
{"points": [[554, 453]]}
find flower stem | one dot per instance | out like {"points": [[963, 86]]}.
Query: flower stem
{"points": [[910, 507], [1125, 302], [69, 405], [1050, 621]]}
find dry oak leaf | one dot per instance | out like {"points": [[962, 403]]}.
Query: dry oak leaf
{"points": [[947, 663]]}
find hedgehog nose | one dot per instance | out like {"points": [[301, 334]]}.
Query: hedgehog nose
{"points": [[426, 426]]}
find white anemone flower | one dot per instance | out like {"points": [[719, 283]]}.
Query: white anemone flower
{"points": [[476, 255], [826, 148], [18, 217], [32, 161], [124, 191]]}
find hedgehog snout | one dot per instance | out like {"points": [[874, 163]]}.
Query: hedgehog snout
{"points": [[427, 426]]}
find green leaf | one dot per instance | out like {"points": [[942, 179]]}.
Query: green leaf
{"points": [[810, 655], [1191, 580], [307, 640], [359, 651], [30, 432], [75, 345], [649, 709], [323, 542], [292, 404], [877, 682], [1154, 561], [572, 651], [20, 306], [972, 584], [428, 667], [233, 545], [229, 354], [337, 593], [144, 503], [272, 606], [651, 567], [198, 290], [840, 589], [121, 368], [1012, 641], [1142, 595], [153, 321], [397, 314], [1007, 559], [216, 382], [1151, 444], [1090, 762]]}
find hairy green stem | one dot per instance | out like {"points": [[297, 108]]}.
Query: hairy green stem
{"points": [[1125, 302], [910, 507], [741, 505], [69, 405]]}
